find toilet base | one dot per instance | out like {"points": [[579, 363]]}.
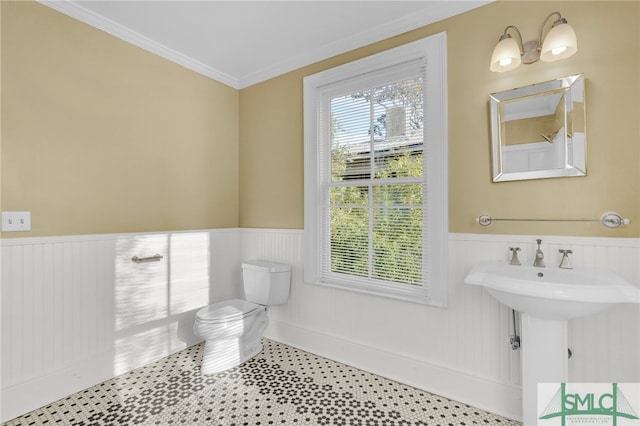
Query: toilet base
{"points": [[222, 353]]}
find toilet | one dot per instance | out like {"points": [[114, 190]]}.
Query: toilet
{"points": [[232, 329]]}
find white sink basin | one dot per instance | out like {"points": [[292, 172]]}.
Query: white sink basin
{"points": [[547, 298], [553, 293]]}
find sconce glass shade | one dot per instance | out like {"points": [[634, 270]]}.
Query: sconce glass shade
{"points": [[506, 55], [560, 43]]}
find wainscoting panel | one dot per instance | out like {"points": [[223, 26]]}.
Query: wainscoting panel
{"points": [[461, 351], [76, 310], [48, 287]]}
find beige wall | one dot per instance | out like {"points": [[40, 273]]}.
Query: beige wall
{"points": [[271, 174], [99, 136]]}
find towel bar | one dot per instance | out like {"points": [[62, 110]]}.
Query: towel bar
{"points": [[155, 258], [609, 220]]}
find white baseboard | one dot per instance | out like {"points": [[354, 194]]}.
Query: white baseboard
{"points": [[498, 398], [43, 390]]}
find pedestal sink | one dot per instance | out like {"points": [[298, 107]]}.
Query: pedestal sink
{"points": [[546, 299]]}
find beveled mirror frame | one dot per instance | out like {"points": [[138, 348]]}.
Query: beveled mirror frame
{"points": [[538, 131]]}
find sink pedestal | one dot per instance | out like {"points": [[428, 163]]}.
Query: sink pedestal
{"points": [[544, 359], [546, 299]]}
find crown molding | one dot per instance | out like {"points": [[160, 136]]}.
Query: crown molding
{"points": [[74, 10], [436, 11]]}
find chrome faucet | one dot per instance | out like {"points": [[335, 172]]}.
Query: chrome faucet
{"points": [[564, 263], [514, 256], [539, 256]]}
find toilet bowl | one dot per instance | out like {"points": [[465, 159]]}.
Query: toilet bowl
{"points": [[232, 329]]}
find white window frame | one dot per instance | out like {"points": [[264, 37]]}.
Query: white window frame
{"points": [[434, 290]]}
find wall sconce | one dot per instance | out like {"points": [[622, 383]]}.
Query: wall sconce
{"points": [[559, 43]]}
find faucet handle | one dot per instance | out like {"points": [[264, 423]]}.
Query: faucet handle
{"points": [[564, 263], [514, 255], [538, 261]]}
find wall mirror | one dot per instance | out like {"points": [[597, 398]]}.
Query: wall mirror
{"points": [[538, 131]]}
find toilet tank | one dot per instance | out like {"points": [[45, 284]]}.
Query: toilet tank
{"points": [[266, 283]]}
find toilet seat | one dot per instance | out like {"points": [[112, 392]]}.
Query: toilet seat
{"points": [[228, 310]]}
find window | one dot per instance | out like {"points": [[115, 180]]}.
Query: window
{"points": [[376, 174]]}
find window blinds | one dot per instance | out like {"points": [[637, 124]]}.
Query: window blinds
{"points": [[373, 179], [375, 137]]}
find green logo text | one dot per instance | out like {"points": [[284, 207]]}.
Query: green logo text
{"points": [[589, 404]]}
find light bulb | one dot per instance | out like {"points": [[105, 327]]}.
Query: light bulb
{"points": [[505, 61], [506, 55], [559, 43]]}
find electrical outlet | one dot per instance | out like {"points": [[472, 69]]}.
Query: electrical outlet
{"points": [[16, 221]]}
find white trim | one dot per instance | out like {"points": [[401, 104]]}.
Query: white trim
{"points": [[452, 236], [273, 230], [438, 10], [433, 51], [552, 239], [437, 127], [99, 237], [499, 398], [82, 14], [26, 396]]}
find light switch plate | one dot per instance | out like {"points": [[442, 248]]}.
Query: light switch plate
{"points": [[16, 221]]}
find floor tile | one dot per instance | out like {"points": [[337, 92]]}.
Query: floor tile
{"points": [[280, 386]]}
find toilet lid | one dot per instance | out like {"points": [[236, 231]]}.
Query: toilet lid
{"points": [[228, 310]]}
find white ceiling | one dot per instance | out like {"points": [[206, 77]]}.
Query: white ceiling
{"points": [[241, 43]]}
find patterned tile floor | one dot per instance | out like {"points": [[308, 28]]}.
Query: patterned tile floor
{"points": [[280, 386]]}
